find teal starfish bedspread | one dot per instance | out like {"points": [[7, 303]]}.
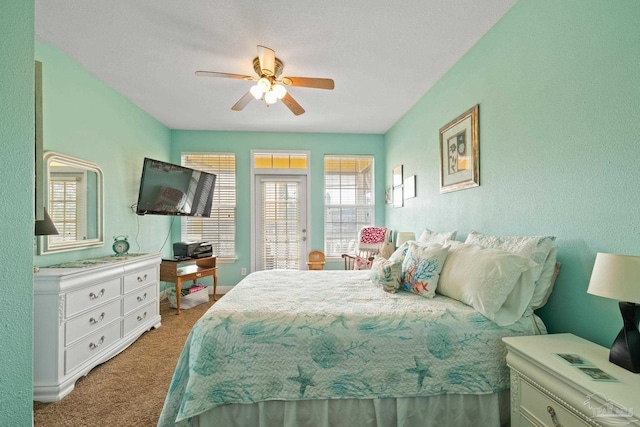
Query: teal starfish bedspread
{"points": [[293, 335]]}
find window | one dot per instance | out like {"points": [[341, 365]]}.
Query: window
{"points": [[220, 228], [279, 161], [348, 201]]}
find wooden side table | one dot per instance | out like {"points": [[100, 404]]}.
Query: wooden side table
{"points": [[178, 271]]}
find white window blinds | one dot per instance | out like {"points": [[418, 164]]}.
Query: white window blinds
{"points": [[66, 201], [348, 201], [220, 228]]}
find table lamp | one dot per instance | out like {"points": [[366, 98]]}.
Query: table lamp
{"points": [[618, 277], [404, 236]]}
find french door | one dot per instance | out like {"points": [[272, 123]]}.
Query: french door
{"points": [[281, 222]]}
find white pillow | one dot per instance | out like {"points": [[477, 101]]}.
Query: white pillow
{"points": [[554, 277], [537, 248], [429, 236], [421, 268], [517, 303], [544, 286], [485, 278]]}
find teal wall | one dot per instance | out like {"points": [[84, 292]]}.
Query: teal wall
{"points": [[85, 118], [16, 211], [242, 143], [558, 85]]}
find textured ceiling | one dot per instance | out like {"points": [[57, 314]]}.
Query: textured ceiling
{"points": [[383, 56]]}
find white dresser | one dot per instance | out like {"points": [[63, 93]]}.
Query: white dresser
{"points": [[86, 312], [547, 390]]}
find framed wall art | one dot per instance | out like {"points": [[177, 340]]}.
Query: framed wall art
{"points": [[459, 152], [397, 176], [398, 199], [410, 187]]}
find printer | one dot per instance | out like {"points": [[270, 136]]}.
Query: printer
{"points": [[192, 249]]}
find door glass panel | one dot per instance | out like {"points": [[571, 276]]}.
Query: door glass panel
{"points": [[281, 218]]}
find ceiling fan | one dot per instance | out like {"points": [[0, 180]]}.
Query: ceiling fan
{"points": [[269, 86]]}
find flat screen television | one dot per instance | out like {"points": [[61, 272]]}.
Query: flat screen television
{"points": [[168, 189]]}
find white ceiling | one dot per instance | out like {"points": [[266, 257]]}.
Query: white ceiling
{"points": [[383, 55]]}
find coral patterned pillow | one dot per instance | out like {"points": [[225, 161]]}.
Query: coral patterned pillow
{"points": [[386, 274], [421, 268], [400, 253]]}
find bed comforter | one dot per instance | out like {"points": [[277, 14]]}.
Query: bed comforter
{"points": [[297, 335]]}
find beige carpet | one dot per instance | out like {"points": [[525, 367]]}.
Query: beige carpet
{"points": [[129, 389]]}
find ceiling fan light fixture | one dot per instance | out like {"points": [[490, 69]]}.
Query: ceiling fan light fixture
{"points": [[256, 91], [264, 84], [269, 85], [280, 91], [270, 97]]}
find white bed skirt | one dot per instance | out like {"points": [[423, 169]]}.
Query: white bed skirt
{"points": [[486, 410]]}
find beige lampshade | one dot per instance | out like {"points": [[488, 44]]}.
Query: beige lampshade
{"points": [[404, 236], [616, 277]]}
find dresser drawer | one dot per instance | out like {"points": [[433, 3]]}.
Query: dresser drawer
{"points": [[139, 317], [140, 278], [86, 323], [91, 346], [541, 409], [140, 297], [92, 296]]}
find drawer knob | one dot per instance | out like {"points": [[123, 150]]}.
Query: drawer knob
{"points": [[93, 321], [93, 346], [198, 274], [141, 318], [98, 295], [142, 298], [142, 279], [554, 418]]}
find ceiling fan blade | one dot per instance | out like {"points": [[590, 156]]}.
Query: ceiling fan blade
{"points": [[309, 82], [292, 104], [267, 58], [228, 75], [242, 102]]}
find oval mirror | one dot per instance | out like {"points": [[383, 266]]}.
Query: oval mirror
{"points": [[73, 200]]}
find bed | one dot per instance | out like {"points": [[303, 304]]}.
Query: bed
{"points": [[335, 348]]}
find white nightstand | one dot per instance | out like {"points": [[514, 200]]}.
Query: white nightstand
{"points": [[547, 390]]}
